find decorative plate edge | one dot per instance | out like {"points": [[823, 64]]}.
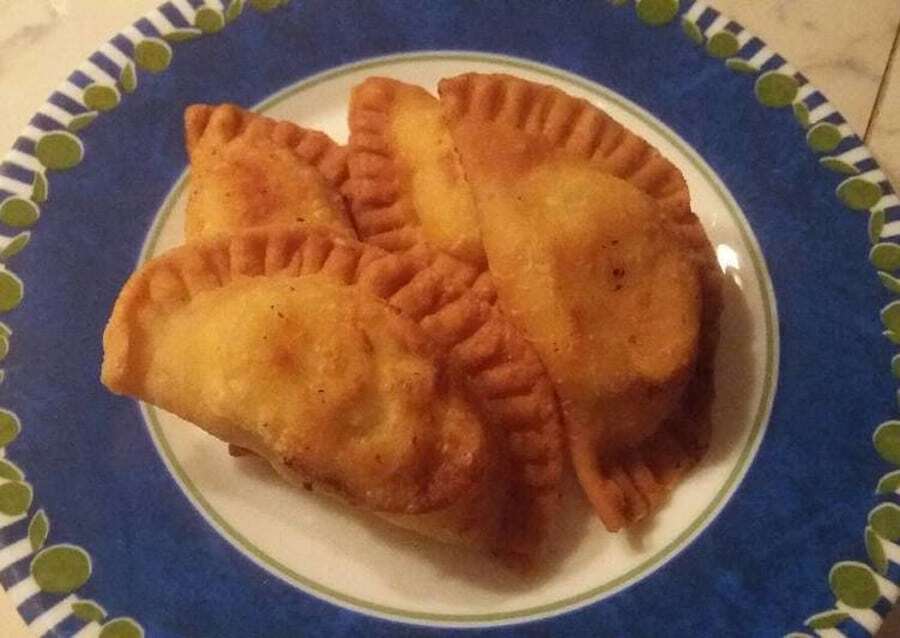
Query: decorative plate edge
{"points": [[864, 594], [46, 598]]}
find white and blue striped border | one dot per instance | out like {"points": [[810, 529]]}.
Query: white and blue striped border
{"points": [[21, 172], [842, 151]]}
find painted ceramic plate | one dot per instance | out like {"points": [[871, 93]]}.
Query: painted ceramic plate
{"points": [[115, 520]]}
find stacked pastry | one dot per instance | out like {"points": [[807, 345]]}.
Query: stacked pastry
{"points": [[422, 322]]}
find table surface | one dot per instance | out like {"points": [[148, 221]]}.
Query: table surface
{"points": [[849, 50]]}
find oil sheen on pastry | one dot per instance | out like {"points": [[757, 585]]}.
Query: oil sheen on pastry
{"points": [[354, 370]]}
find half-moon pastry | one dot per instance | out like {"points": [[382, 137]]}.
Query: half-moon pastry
{"points": [[362, 373], [406, 184], [249, 170], [597, 258], [572, 125]]}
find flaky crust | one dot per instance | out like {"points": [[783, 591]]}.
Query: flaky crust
{"points": [[383, 214], [249, 170], [406, 185], [573, 124], [504, 128], [220, 124], [501, 374]]}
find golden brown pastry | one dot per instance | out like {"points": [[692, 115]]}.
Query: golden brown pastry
{"points": [[249, 170], [570, 124], [366, 374], [597, 258], [406, 185]]}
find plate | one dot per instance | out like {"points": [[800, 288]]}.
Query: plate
{"points": [[119, 521]]}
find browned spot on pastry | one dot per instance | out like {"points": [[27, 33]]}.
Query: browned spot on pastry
{"points": [[595, 256], [484, 473], [248, 170]]}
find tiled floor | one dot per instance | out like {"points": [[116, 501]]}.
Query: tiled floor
{"points": [[848, 49], [883, 133]]}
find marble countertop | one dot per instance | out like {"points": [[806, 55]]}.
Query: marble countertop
{"points": [[848, 49]]}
